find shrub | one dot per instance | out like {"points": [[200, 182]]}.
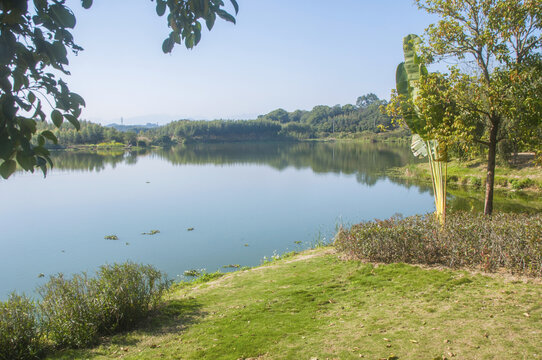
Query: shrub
{"points": [[510, 241], [69, 310], [126, 293], [501, 181], [19, 330], [453, 178], [475, 181], [76, 311], [518, 184]]}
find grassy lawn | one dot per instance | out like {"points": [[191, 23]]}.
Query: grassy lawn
{"points": [[315, 305]]}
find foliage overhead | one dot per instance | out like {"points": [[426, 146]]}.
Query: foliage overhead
{"points": [[35, 40]]}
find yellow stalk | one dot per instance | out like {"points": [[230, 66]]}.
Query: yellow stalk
{"points": [[437, 180]]}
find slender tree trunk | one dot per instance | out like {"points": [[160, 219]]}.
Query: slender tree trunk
{"points": [[491, 155]]}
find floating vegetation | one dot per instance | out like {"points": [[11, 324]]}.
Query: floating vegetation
{"points": [[246, 245], [152, 232], [127, 243], [190, 229], [192, 273], [40, 275], [111, 237], [297, 242], [235, 266]]}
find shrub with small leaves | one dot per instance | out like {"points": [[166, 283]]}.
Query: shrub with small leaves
{"points": [[19, 329], [76, 311], [126, 293], [518, 184], [510, 241], [69, 310]]}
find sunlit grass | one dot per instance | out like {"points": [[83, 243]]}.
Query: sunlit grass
{"points": [[317, 305]]}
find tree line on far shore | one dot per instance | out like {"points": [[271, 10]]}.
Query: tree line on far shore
{"points": [[321, 122]]}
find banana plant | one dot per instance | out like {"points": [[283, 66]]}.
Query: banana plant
{"points": [[408, 76]]}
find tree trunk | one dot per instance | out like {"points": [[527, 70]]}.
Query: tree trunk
{"points": [[490, 179]]}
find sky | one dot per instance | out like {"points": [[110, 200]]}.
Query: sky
{"points": [[290, 54]]}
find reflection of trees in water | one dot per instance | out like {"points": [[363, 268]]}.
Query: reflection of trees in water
{"points": [[368, 161], [92, 160]]}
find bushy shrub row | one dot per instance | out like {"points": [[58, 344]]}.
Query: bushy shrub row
{"points": [[20, 335], [509, 241], [74, 312]]}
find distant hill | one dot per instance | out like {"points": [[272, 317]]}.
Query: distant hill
{"points": [[134, 128]]}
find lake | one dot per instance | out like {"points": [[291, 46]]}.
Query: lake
{"points": [[243, 201]]}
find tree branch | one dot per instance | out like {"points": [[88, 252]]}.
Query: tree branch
{"points": [[481, 142]]}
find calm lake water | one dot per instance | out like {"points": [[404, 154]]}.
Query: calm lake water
{"points": [[244, 201]]}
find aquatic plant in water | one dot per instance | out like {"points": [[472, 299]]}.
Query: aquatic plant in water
{"points": [[152, 232]]}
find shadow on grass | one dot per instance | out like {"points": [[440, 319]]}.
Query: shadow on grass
{"points": [[173, 317]]}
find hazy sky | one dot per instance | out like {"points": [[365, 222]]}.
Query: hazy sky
{"points": [[293, 54]]}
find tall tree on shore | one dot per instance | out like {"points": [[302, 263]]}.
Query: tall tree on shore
{"points": [[407, 105], [496, 81], [35, 40]]}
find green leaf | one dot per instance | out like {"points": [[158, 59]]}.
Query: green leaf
{"points": [[235, 6], [210, 20], [63, 15], [31, 97], [6, 148], [73, 120], [76, 98], [167, 45], [401, 80], [197, 34], [60, 52], [418, 146], [57, 118], [18, 80], [49, 135], [160, 7], [189, 41], [86, 3], [7, 168], [40, 161], [226, 16], [28, 125], [26, 162]]}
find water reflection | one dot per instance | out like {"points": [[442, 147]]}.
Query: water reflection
{"points": [[368, 161]]}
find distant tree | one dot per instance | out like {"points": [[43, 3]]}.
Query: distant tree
{"points": [[318, 115], [366, 100], [497, 82], [129, 138], [296, 115], [348, 108], [279, 115], [35, 41]]}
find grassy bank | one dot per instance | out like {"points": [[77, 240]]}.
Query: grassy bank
{"points": [[316, 305], [524, 176]]}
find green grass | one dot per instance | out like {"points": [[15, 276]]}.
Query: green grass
{"points": [[317, 305], [473, 174]]}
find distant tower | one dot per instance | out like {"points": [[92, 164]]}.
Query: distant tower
{"points": [[121, 121]]}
